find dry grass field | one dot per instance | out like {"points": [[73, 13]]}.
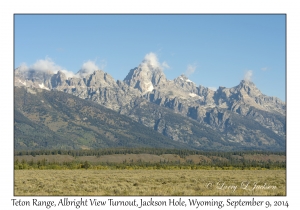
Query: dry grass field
{"points": [[150, 182]]}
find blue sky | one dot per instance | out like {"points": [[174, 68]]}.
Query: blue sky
{"points": [[212, 50]]}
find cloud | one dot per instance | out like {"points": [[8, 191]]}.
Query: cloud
{"points": [[190, 69], [165, 65], [264, 69], [45, 65], [48, 65], [103, 64], [68, 74], [248, 75], [23, 67], [213, 88], [87, 68], [60, 49], [151, 61]]}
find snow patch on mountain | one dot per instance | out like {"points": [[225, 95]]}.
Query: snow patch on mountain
{"points": [[192, 94], [150, 88], [24, 83], [43, 86]]}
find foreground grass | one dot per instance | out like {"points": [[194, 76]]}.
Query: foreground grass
{"points": [[149, 182]]}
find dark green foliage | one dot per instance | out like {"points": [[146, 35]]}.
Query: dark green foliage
{"points": [[219, 160], [153, 151], [86, 165], [29, 134]]}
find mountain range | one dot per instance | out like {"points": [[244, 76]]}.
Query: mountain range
{"points": [[92, 110]]}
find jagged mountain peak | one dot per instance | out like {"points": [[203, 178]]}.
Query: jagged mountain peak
{"points": [[244, 87], [83, 72], [145, 77], [185, 84], [58, 79], [100, 78], [60, 73], [249, 88], [220, 110], [183, 78], [247, 82], [246, 94]]}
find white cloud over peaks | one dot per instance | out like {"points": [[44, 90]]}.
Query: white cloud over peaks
{"points": [[165, 65], [68, 74], [88, 68], [45, 65], [23, 67], [190, 69], [152, 60], [248, 75], [213, 88], [103, 64]]}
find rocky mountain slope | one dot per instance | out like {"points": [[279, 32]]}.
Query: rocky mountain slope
{"points": [[228, 118], [57, 120]]}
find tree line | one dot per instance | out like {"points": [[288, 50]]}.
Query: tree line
{"points": [[154, 151], [216, 160], [214, 165]]}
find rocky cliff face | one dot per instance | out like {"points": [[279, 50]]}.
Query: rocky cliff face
{"points": [[145, 77], [241, 114]]}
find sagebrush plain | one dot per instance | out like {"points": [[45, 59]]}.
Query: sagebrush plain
{"points": [[150, 182]]}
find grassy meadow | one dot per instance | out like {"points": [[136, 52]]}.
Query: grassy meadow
{"points": [[150, 182]]}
